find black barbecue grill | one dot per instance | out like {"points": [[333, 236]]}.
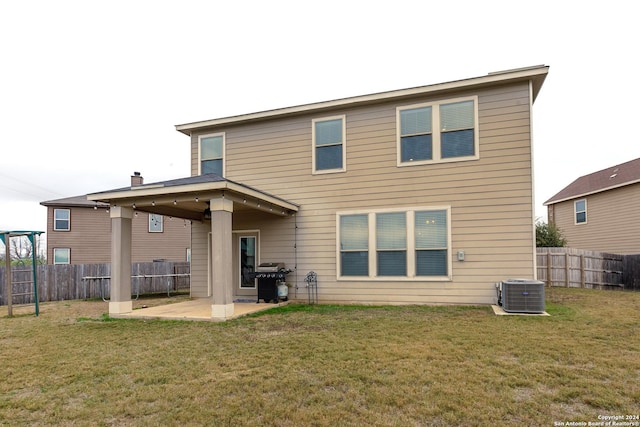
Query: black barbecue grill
{"points": [[269, 276]]}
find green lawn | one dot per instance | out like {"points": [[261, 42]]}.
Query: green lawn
{"points": [[325, 365]]}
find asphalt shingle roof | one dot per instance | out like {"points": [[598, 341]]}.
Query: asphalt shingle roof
{"points": [[605, 179]]}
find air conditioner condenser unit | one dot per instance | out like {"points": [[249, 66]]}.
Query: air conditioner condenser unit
{"points": [[521, 296]]}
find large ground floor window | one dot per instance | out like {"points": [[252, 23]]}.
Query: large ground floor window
{"points": [[407, 243]]}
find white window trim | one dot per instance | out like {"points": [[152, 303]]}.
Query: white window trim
{"points": [[435, 132], [224, 151], [161, 224], [411, 249], [314, 171], [68, 250], [575, 212], [68, 220]]}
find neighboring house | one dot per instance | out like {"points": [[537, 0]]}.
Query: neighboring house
{"points": [[599, 211], [414, 196], [79, 232]]}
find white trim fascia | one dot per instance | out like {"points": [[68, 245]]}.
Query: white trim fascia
{"points": [[528, 73]]}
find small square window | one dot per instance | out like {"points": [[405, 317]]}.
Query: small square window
{"points": [[61, 220], [61, 256], [155, 223]]}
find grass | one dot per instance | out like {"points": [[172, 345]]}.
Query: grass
{"points": [[325, 365]]}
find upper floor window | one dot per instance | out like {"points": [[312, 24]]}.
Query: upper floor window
{"points": [[438, 132], [61, 256], [329, 147], [61, 219], [155, 223], [211, 154], [401, 244], [581, 211]]}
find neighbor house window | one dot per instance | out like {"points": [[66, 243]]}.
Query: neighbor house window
{"points": [[437, 132], [61, 219], [155, 223], [211, 154], [329, 151], [581, 211], [407, 244], [61, 256]]}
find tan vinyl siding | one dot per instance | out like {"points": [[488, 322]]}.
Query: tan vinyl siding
{"points": [[613, 221], [199, 260], [490, 198], [90, 237]]}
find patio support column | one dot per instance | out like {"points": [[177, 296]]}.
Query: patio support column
{"points": [[120, 302], [221, 258]]}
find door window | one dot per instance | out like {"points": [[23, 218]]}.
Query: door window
{"points": [[248, 258]]}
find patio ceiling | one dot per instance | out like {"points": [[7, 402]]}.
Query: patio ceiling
{"points": [[188, 197]]}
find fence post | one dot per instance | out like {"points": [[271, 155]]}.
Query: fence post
{"points": [[549, 281], [582, 272], [7, 259], [567, 270]]}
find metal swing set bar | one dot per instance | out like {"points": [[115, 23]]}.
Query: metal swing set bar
{"points": [[6, 236]]}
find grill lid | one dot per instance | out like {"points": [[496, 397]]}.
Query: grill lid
{"points": [[270, 267]]}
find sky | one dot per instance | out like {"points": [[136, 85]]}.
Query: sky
{"points": [[91, 91]]}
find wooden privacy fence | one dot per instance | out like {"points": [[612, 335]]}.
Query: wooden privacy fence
{"points": [[577, 268], [84, 281]]}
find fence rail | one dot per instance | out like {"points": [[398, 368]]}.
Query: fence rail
{"points": [[85, 281], [576, 268]]}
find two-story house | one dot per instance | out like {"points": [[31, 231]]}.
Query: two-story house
{"points": [[413, 196], [79, 232], [599, 211]]}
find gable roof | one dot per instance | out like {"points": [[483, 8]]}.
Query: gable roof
{"points": [[606, 179], [75, 201], [535, 74], [188, 197]]}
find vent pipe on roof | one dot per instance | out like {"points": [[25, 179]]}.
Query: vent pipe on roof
{"points": [[136, 179]]}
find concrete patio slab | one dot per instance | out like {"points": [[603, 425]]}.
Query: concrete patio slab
{"points": [[196, 309], [499, 311]]}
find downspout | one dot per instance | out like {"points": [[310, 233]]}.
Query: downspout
{"points": [[295, 251]]}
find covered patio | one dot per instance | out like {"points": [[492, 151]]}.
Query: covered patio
{"points": [[202, 199]]}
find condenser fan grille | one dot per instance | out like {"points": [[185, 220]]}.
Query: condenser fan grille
{"points": [[523, 296]]}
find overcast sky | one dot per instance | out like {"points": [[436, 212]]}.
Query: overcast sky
{"points": [[90, 91]]}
